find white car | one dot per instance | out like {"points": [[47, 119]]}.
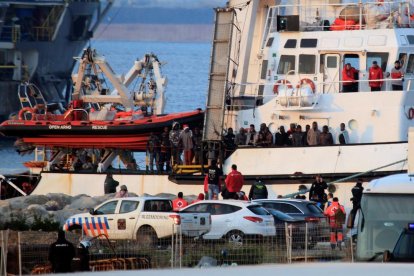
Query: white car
{"points": [[144, 218], [234, 220]]}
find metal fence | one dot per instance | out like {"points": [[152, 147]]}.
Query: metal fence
{"points": [[27, 252]]}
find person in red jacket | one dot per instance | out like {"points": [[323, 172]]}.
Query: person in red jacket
{"points": [[199, 198], [234, 183], [375, 73], [336, 215], [348, 77], [179, 202]]}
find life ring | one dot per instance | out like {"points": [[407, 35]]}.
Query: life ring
{"points": [[278, 83], [309, 82], [25, 110], [411, 113]]}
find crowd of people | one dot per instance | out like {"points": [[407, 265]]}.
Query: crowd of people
{"points": [[293, 137], [165, 150]]}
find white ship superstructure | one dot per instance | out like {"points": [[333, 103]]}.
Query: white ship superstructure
{"points": [[287, 69]]}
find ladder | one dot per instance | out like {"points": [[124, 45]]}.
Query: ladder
{"points": [[219, 67]]}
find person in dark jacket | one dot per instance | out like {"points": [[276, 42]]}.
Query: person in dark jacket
{"points": [[317, 191], [213, 179], [258, 190], [110, 184], [61, 254], [357, 191], [82, 253]]}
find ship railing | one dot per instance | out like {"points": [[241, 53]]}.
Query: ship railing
{"points": [[7, 72], [10, 33], [254, 96], [343, 16]]}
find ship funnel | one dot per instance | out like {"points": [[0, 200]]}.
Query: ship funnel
{"points": [[411, 151]]}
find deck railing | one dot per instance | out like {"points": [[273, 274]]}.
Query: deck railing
{"points": [[346, 16]]}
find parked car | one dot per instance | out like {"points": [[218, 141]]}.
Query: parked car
{"points": [[296, 229], [145, 218], [301, 209], [234, 220]]}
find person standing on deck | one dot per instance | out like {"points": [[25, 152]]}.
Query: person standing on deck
{"points": [[198, 146], [165, 151], [241, 137], [357, 191], [212, 180], [153, 152], [313, 135], [348, 78], [397, 77], [186, 142], [174, 137], [375, 77], [317, 191], [343, 136]]}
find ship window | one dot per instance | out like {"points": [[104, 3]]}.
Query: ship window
{"points": [[410, 39], [270, 41], [307, 64], [290, 43], [402, 57], [264, 69], [308, 43], [381, 58], [410, 64], [331, 62], [286, 64]]}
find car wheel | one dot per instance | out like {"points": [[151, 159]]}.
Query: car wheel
{"points": [[146, 237], [236, 238]]}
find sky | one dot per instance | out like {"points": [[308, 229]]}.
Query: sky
{"points": [[190, 4]]}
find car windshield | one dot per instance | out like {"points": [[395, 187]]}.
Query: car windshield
{"points": [[258, 210], [404, 250]]}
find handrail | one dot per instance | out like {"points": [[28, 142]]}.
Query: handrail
{"points": [[314, 15]]}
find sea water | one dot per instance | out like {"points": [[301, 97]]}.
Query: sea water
{"points": [[186, 66]]}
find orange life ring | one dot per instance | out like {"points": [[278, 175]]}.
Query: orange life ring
{"points": [[278, 83], [411, 113], [24, 110], [309, 82]]}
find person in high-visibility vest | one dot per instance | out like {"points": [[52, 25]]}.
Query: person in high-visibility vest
{"points": [[179, 202], [336, 215]]}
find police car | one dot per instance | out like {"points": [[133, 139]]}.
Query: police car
{"points": [[144, 218]]}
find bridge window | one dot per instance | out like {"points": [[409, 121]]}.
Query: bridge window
{"points": [[308, 43], [291, 43], [410, 39], [410, 64], [286, 64], [270, 42], [381, 58], [307, 64]]}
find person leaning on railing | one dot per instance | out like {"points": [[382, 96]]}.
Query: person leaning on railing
{"points": [[397, 76]]}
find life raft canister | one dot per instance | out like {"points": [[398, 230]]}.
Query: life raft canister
{"points": [[278, 83], [342, 25]]}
